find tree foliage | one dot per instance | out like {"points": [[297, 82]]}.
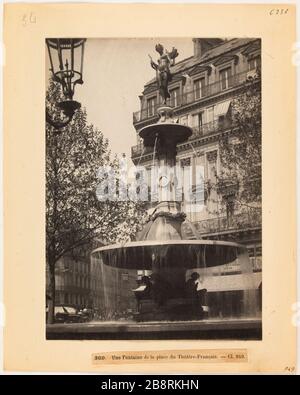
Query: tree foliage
{"points": [[240, 150], [74, 215]]}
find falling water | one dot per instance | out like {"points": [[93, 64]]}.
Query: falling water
{"points": [[104, 284], [154, 152], [250, 292]]}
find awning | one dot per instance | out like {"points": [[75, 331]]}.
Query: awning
{"points": [[235, 282], [222, 108]]}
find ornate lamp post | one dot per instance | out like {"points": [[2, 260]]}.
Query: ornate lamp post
{"points": [[66, 61]]}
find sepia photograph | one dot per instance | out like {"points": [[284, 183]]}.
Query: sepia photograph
{"points": [[149, 190], [153, 188]]}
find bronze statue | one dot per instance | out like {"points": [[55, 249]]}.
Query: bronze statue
{"points": [[163, 74]]}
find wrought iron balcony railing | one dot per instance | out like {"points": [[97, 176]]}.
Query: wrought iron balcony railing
{"points": [[139, 149], [197, 94], [250, 219]]}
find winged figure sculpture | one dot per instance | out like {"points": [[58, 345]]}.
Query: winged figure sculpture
{"points": [[162, 68]]}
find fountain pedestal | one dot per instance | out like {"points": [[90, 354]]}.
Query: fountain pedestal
{"points": [[168, 286], [163, 138]]}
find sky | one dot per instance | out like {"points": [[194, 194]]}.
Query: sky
{"points": [[114, 73]]}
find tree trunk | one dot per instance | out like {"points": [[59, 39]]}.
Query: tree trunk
{"points": [[51, 302]]}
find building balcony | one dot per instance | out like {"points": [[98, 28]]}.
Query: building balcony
{"points": [[210, 127], [196, 95], [139, 149], [237, 222]]}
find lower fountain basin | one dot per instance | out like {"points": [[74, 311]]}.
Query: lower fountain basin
{"points": [[171, 253], [226, 282]]}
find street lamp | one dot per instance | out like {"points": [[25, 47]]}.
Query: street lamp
{"points": [[66, 61]]}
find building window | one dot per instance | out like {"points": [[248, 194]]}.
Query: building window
{"points": [[151, 106], [186, 162], [174, 97], [225, 78], [198, 121], [230, 210], [199, 86], [210, 114], [222, 121], [184, 120], [254, 63], [211, 170]]}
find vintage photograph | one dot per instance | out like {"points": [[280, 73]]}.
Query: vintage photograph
{"points": [[153, 188]]}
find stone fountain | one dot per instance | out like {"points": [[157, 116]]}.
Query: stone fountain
{"points": [[168, 259]]}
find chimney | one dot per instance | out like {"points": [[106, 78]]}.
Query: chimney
{"points": [[202, 45]]}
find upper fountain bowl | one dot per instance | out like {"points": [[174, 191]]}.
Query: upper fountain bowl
{"points": [[166, 129]]}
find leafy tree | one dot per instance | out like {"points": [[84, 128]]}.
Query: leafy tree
{"points": [[240, 152], [74, 214]]}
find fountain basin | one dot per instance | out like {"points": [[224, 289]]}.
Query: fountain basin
{"points": [[166, 131], [183, 253], [225, 276]]}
